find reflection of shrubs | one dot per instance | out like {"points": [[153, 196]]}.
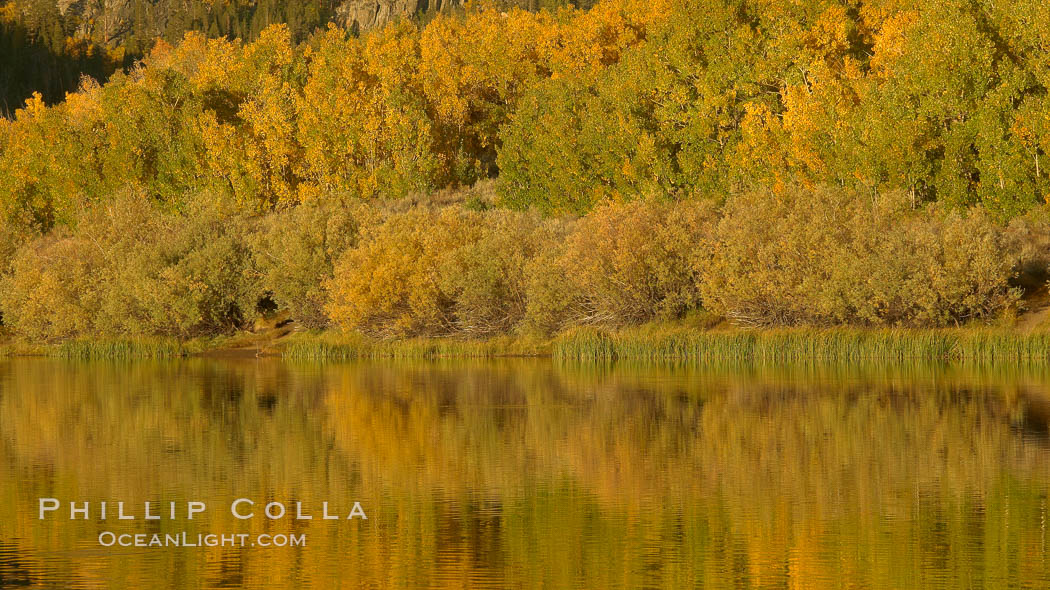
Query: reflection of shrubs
{"points": [[624, 263], [448, 271], [826, 256], [130, 269]]}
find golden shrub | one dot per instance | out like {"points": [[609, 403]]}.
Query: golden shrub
{"points": [[436, 272], [624, 263]]}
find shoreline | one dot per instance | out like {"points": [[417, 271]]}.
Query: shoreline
{"points": [[658, 343]]}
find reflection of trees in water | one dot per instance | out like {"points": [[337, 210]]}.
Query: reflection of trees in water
{"points": [[1034, 417], [795, 470], [167, 431], [121, 426], [638, 434], [13, 573], [544, 474]]}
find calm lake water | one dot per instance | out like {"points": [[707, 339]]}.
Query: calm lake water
{"points": [[526, 474]]}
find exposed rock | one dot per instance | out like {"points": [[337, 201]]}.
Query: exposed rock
{"points": [[364, 15]]}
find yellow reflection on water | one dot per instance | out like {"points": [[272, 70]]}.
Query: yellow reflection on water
{"points": [[526, 474]]}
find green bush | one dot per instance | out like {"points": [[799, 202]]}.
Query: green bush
{"points": [[294, 251], [129, 268], [823, 256], [51, 290], [1029, 237], [487, 278], [209, 286]]}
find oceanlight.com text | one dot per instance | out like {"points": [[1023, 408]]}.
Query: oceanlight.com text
{"points": [[184, 539]]}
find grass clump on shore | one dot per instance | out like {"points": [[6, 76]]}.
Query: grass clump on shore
{"points": [[142, 348], [651, 343], [801, 344], [328, 346], [660, 343], [121, 349]]}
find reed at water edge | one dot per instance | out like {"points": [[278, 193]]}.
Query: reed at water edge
{"points": [[651, 344], [980, 345], [105, 349], [330, 346], [121, 349]]}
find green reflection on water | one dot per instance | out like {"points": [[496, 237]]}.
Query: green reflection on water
{"points": [[527, 474]]}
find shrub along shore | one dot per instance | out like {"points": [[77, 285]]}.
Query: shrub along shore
{"points": [[483, 278], [808, 273]]}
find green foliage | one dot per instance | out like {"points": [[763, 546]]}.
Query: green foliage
{"points": [[294, 252], [129, 269], [829, 256], [665, 118], [944, 101], [570, 144]]}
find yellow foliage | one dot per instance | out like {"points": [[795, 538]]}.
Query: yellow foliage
{"points": [[889, 41], [623, 263], [437, 272]]}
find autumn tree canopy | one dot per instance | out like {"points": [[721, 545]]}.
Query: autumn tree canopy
{"points": [[939, 108]]}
